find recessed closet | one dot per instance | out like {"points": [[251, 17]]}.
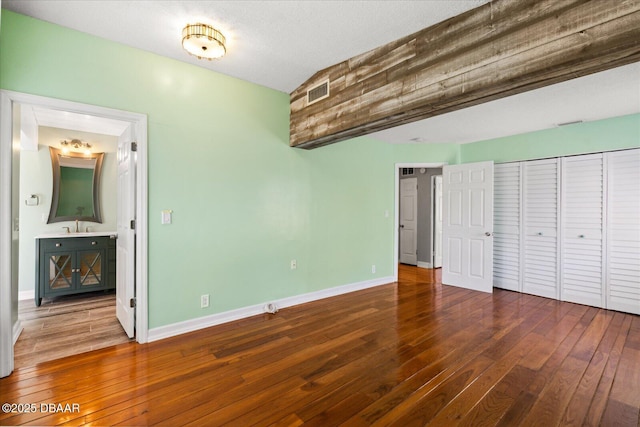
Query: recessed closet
{"points": [[569, 228]]}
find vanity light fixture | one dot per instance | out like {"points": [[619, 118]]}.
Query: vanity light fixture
{"points": [[203, 41], [77, 145]]}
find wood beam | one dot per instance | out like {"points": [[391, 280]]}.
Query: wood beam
{"points": [[502, 48]]}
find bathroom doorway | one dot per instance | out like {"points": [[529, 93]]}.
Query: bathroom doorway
{"points": [[16, 129]]}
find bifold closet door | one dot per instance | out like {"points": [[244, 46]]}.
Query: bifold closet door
{"points": [[623, 225], [506, 229], [540, 262], [581, 257]]}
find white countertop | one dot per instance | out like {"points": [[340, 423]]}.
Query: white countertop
{"points": [[67, 235]]}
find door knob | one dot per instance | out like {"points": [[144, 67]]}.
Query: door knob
{"points": [[401, 226], [488, 234]]}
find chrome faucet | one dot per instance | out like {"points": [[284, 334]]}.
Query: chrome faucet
{"points": [[68, 229], [77, 229]]}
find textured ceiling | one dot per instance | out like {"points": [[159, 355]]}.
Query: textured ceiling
{"points": [[280, 44]]}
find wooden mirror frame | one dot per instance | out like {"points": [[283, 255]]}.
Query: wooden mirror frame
{"points": [[55, 163]]}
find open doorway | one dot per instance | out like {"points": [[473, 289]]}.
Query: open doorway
{"points": [[79, 314], [416, 228], [20, 125]]}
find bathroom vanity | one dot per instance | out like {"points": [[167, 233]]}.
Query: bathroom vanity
{"points": [[73, 263]]}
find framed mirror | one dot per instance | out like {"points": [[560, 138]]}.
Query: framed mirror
{"points": [[76, 186]]}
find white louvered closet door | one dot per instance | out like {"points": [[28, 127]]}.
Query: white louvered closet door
{"points": [[540, 262], [623, 225], [582, 230], [506, 228]]}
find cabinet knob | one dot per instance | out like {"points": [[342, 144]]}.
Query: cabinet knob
{"points": [[581, 236], [94, 243], [540, 233], [58, 245]]}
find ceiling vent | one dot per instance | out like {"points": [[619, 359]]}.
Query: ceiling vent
{"points": [[318, 92]]}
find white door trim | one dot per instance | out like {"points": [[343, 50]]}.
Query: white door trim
{"points": [[7, 99], [434, 219], [396, 203]]}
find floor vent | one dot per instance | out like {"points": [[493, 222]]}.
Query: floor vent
{"points": [[318, 93]]}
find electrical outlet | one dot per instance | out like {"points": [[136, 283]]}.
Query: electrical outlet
{"points": [[373, 269], [294, 264], [204, 301]]}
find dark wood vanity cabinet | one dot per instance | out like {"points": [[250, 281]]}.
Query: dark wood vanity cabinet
{"points": [[73, 265]]}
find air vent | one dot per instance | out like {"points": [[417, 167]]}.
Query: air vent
{"points": [[406, 171], [570, 123], [318, 93]]}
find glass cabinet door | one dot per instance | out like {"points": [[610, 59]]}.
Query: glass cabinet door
{"points": [[90, 268], [60, 271]]}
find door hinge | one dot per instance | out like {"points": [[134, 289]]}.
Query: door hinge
{"points": [[133, 224], [134, 146], [132, 302]]}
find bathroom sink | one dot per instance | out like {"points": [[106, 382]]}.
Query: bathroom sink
{"points": [[80, 234]]}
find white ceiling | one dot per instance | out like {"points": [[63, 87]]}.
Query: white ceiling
{"points": [[280, 44], [78, 122]]}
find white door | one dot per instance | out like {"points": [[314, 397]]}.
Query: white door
{"points": [[437, 223], [581, 260], [623, 225], [125, 267], [541, 218], [467, 228], [506, 226], [408, 221]]}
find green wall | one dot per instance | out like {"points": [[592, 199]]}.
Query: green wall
{"points": [[244, 203], [591, 137]]}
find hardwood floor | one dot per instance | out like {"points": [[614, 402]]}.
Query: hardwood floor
{"points": [[65, 326], [411, 353]]}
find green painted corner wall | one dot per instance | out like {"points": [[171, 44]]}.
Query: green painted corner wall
{"points": [[591, 137]]}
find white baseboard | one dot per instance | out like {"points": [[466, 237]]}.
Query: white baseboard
{"points": [[423, 264], [17, 330], [23, 295], [174, 329]]}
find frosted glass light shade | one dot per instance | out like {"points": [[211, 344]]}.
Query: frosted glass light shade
{"points": [[203, 41]]}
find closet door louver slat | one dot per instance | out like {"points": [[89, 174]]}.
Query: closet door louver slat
{"points": [[582, 237], [540, 221], [623, 237], [506, 228]]}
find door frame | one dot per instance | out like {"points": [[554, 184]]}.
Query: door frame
{"points": [[434, 220], [396, 207], [139, 121]]}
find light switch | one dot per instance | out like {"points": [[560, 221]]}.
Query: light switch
{"points": [[166, 216]]}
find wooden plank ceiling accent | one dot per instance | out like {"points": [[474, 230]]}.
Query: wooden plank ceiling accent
{"points": [[499, 49]]}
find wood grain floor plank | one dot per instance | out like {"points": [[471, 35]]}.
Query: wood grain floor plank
{"points": [[68, 325], [415, 352]]}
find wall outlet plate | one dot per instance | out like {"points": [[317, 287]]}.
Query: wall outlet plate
{"points": [[204, 301], [165, 216]]}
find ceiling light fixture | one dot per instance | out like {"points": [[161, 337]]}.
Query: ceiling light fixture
{"points": [[203, 41], [77, 145]]}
